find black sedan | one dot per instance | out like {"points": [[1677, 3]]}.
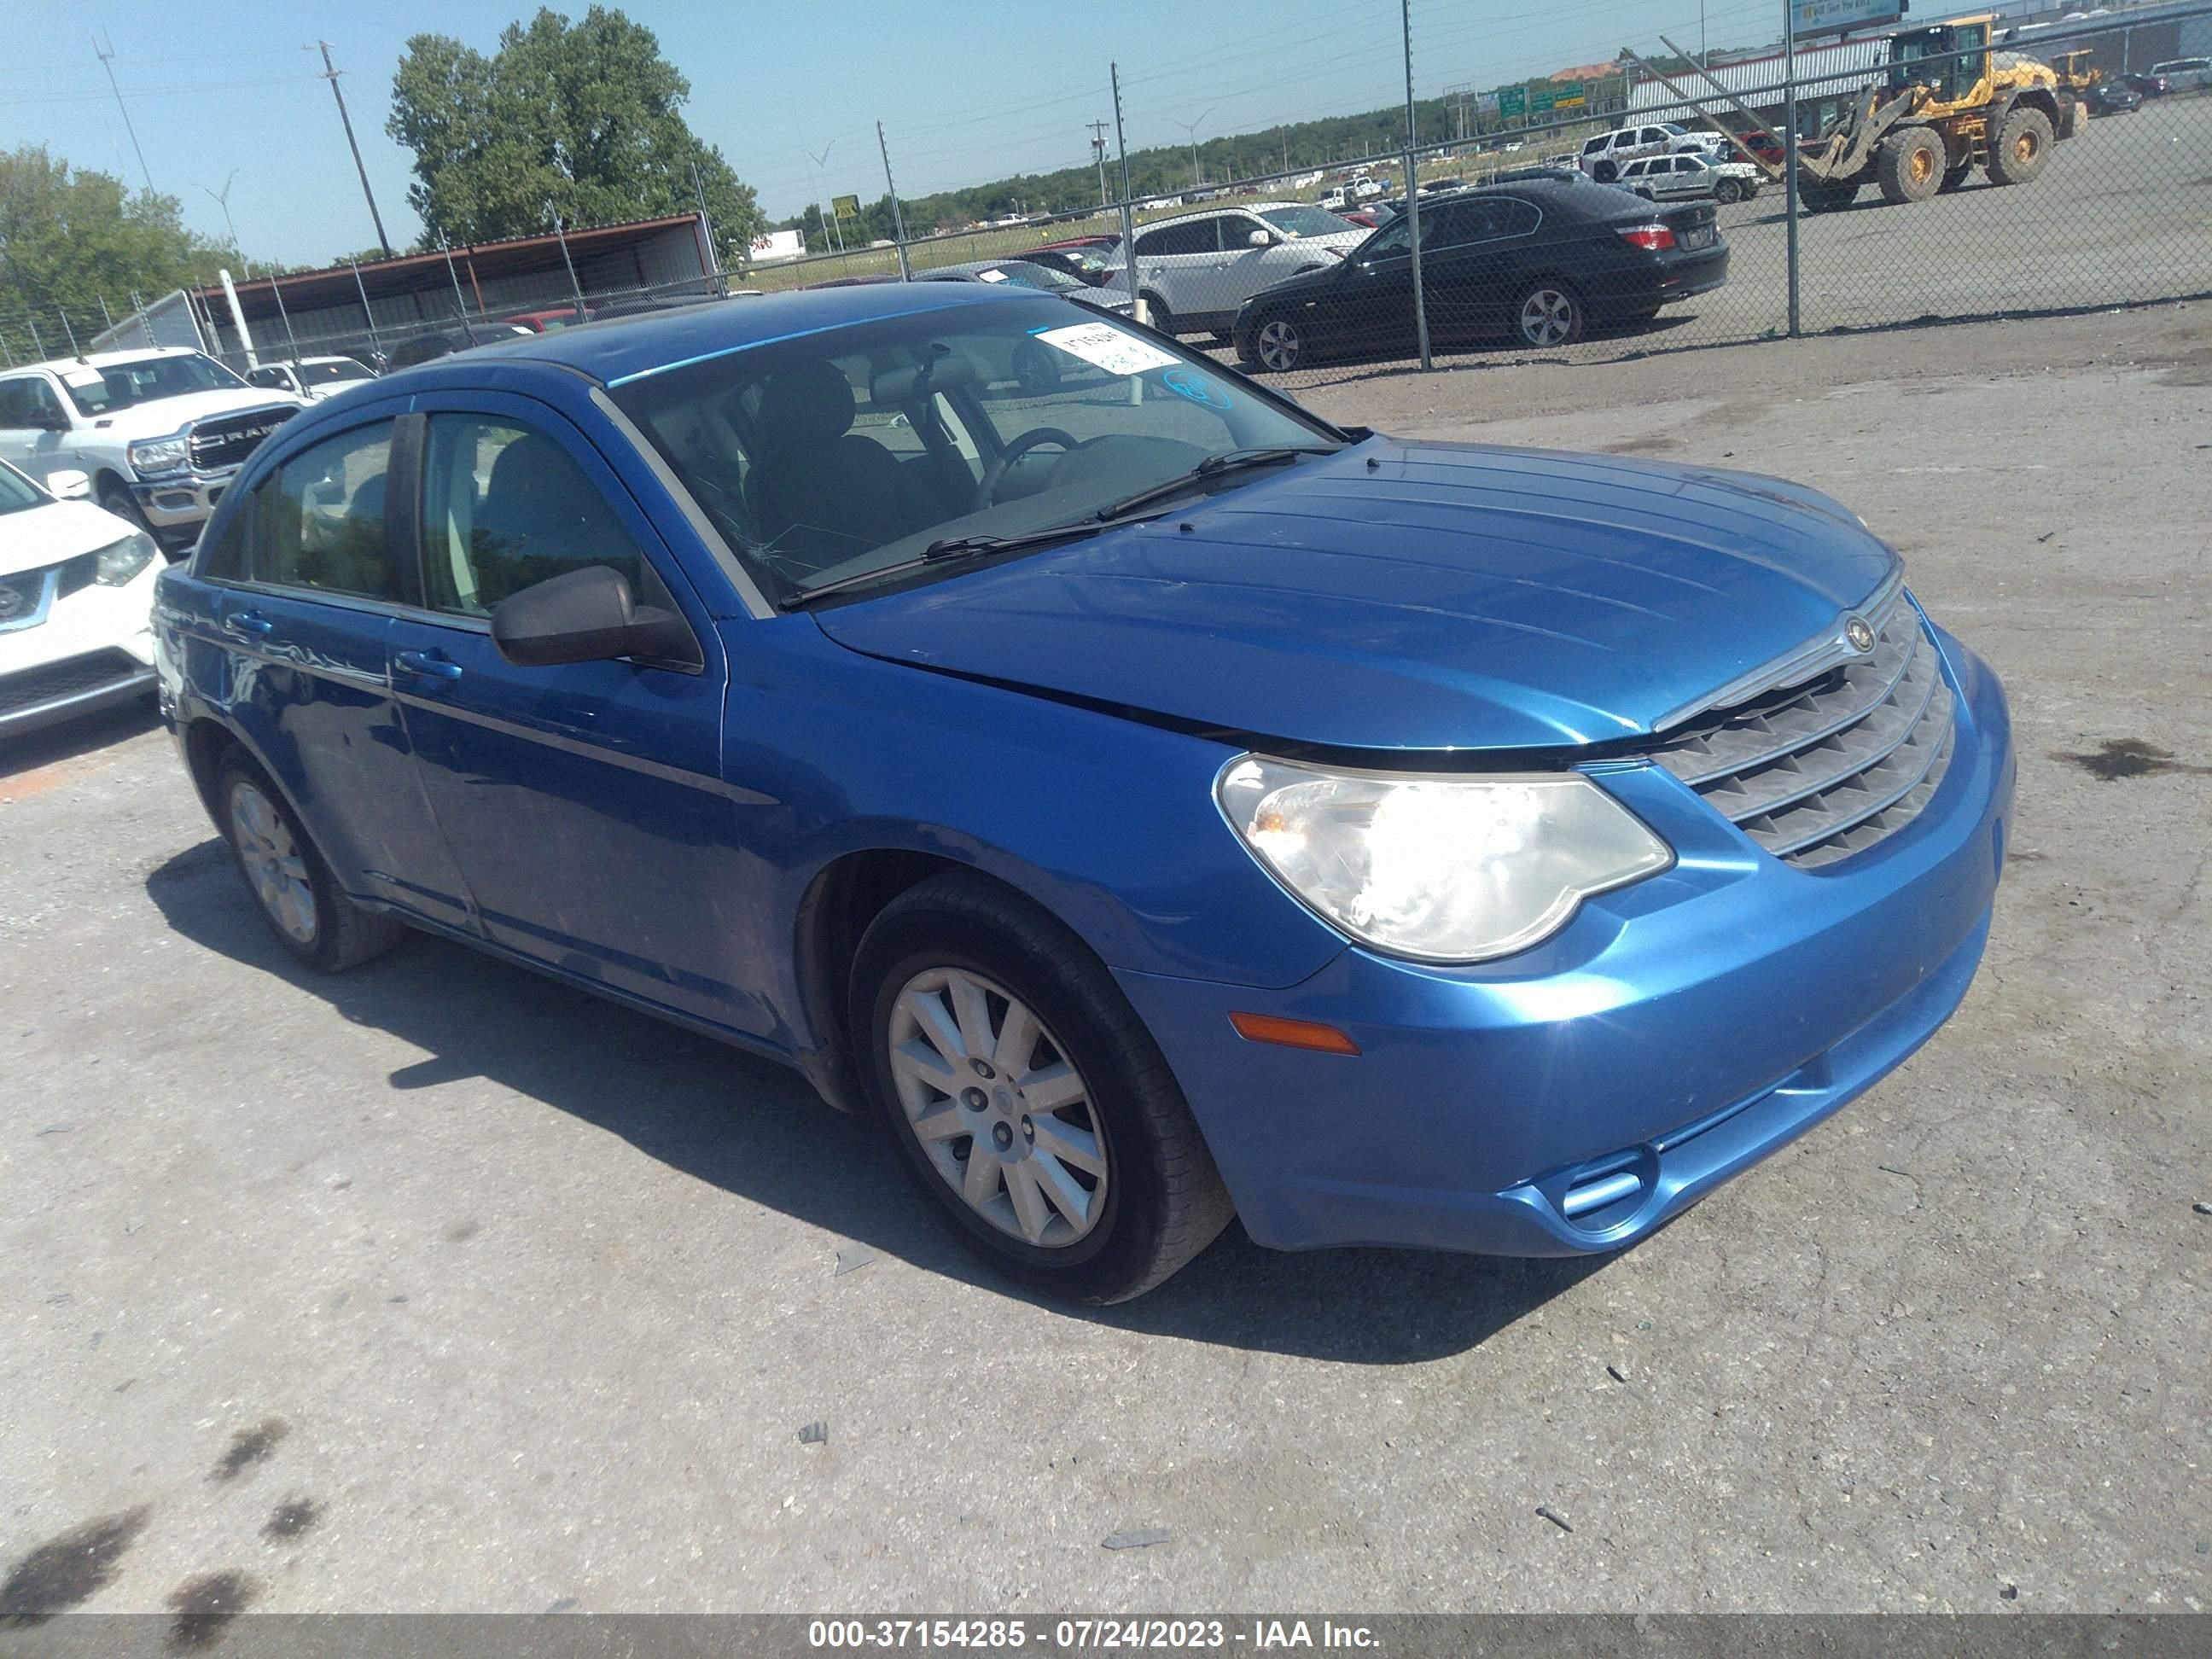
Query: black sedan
{"points": [[2113, 98], [1534, 264]]}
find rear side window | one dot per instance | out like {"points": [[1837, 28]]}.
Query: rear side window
{"points": [[320, 522], [506, 508], [1192, 236]]}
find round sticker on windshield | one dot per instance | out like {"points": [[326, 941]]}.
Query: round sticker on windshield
{"points": [[1188, 383]]}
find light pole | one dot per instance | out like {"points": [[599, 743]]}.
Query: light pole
{"points": [[1191, 129]]}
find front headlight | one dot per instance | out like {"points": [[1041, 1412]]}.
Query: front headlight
{"points": [[161, 455], [117, 564], [1440, 868]]}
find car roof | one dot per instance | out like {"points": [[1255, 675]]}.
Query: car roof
{"points": [[624, 348], [107, 359]]}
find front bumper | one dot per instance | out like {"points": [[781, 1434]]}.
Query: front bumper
{"points": [[177, 505], [94, 649], [1575, 1097]]}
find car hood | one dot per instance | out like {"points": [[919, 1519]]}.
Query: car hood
{"points": [[1409, 595], [39, 536], [164, 416]]}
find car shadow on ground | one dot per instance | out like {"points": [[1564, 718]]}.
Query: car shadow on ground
{"points": [[754, 1129], [76, 737]]}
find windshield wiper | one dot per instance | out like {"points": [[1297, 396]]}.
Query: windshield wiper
{"points": [[1233, 461], [953, 547]]}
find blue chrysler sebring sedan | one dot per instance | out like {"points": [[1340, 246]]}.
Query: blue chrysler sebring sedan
{"points": [[1154, 803]]}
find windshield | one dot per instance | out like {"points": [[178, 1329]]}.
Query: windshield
{"points": [[835, 454], [330, 373], [16, 492], [120, 386], [1306, 221]]}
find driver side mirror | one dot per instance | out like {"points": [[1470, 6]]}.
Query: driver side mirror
{"points": [[1260, 239], [588, 615]]}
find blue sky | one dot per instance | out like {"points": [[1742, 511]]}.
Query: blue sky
{"points": [[966, 89]]}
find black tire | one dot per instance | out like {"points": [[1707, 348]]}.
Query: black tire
{"points": [[1036, 370], [1822, 196], [124, 506], [1156, 308], [1275, 344], [1910, 165], [1164, 1200], [1556, 302], [1956, 177], [343, 934], [2021, 148], [1729, 192], [1604, 171]]}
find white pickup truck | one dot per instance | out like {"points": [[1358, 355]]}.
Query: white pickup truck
{"points": [[160, 432]]}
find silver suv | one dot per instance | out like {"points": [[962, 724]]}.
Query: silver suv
{"points": [[1603, 156], [1194, 271]]}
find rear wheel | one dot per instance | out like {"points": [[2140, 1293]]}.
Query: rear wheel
{"points": [[1604, 171], [1025, 1096], [1727, 192], [1910, 165], [319, 925], [2022, 147], [1549, 313]]}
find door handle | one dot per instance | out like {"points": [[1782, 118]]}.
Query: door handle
{"points": [[431, 665], [247, 621]]}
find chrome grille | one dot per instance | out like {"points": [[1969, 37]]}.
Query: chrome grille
{"points": [[224, 441], [1817, 771]]}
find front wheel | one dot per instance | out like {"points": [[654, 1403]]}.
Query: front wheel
{"points": [[1026, 1097], [2021, 148], [1162, 320], [1276, 343], [1548, 314], [124, 506], [1728, 193]]}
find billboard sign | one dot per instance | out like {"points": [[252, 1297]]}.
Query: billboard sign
{"points": [[1513, 102], [845, 207], [1811, 17], [777, 245]]}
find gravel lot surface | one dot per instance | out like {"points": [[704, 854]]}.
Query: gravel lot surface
{"points": [[438, 1286]]}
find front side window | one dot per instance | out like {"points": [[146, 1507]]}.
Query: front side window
{"points": [[320, 519], [1306, 221], [505, 508], [28, 402], [835, 455]]}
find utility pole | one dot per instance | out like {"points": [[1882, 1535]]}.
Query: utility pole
{"points": [[330, 74], [1128, 216], [821, 188], [1413, 190], [898, 218], [107, 61], [1098, 153]]}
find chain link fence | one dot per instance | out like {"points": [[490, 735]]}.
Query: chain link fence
{"points": [[1654, 219]]}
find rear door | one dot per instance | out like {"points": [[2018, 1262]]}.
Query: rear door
{"points": [[583, 802], [1175, 259], [1484, 268], [304, 681]]}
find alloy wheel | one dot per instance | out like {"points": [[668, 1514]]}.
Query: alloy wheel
{"points": [[1278, 344], [999, 1110], [273, 864], [1548, 317]]}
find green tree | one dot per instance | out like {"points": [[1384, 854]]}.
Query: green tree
{"points": [[70, 237], [582, 119]]}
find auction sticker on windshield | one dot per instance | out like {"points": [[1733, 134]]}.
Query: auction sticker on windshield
{"points": [[1106, 347]]}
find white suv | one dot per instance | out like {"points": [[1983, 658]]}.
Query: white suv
{"points": [[77, 603], [311, 378], [2185, 74], [1689, 177], [1602, 157], [159, 433], [1194, 272]]}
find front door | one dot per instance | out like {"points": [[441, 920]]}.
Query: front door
{"points": [[583, 802], [1377, 313]]}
